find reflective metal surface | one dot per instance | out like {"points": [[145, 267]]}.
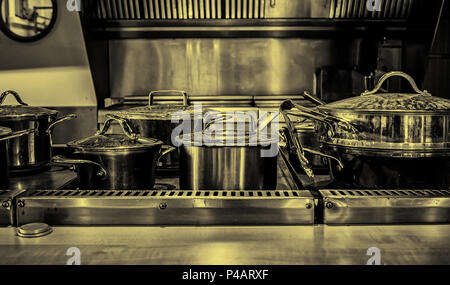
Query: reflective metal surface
{"points": [[243, 245], [176, 207], [232, 67], [385, 206], [226, 168]]}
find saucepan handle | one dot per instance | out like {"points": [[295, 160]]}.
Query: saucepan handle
{"points": [[60, 120], [392, 74], [184, 95], [67, 161], [15, 94], [165, 149], [18, 134]]}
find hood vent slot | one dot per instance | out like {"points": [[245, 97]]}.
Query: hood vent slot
{"points": [[175, 9], [357, 9]]}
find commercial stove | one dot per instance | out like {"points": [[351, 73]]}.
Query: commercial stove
{"points": [[53, 197]]}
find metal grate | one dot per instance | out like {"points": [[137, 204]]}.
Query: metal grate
{"points": [[386, 193], [163, 193], [357, 9], [174, 9]]}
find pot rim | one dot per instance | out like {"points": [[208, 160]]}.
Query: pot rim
{"points": [[385, 111], [27, 116], [146, 144], [387, 152]]}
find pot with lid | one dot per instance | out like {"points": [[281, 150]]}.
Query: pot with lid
{"points": [[5, 136], [227, 160], [384, 140], [33, 151], [156, 121], [115, 161]]}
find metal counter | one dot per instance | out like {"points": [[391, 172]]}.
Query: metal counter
{"points": [[321, 244]]}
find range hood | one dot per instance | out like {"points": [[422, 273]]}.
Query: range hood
{"points": [[246, 9]]}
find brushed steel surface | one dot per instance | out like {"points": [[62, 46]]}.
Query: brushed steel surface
{"points": [[386, 206], [262, 67], [225, 167], [399, 245], [75, 207]]}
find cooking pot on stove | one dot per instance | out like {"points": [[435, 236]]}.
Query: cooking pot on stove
{"points": [[382, 140], [5, 136], [115, 161], [218, 159], [156, 121], [34, 151]]}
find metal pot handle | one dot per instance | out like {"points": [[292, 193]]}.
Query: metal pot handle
{"points": [[162, 153], [128, 131], [313, 99], [183, 93], [60, 120], [18, 134], [313, 114], [225, 117], [15, 94], [392, 74], [63, 160]]}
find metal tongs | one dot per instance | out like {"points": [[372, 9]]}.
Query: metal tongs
{"points": [[309, 114]]}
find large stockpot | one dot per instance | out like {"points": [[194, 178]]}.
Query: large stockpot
{"points": [[156, 121], [5, 135], [33, 151], [115, 161], [384, 140], [228, 160]]}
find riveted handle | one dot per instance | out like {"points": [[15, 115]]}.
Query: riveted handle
{"points": [[16, 96], [126, 128], [398, 74]]}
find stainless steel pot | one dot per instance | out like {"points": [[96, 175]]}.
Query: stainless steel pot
{"points": [[400, 140], [5, 136], [227, 161], [115, 161], [33, 151], [156, 121]]}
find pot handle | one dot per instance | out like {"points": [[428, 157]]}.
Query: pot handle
{"points": [[162, 153], [15, 94], [315, 115], [225, 117], [63, 160], [183, 94], [392, 74], [18, 134], [313, 99], [60, 120], [127, 129]]}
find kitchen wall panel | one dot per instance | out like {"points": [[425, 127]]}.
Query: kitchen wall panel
{"points": [[257, 66]]}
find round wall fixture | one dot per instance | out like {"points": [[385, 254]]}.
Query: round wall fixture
{"points": [[27, 20]]}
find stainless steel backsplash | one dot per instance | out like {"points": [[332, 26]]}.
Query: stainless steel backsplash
{"points": [[224, 66]]}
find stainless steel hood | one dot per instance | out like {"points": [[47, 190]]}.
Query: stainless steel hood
{"points": [[246, 9]]}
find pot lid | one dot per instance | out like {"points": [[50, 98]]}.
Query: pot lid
{"points": [[372, 101], [157, 112], [23, 110], [103, 142]]}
